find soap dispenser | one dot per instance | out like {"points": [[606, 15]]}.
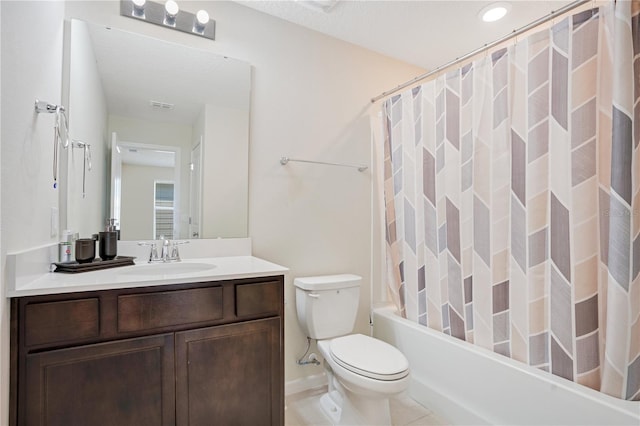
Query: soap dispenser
{"points": [[108, 241], [113, 227]]}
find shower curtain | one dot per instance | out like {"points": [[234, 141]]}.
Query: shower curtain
{"points": [[512, 200]]}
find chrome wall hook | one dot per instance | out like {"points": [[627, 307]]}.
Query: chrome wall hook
{"points": [[44, 107]]}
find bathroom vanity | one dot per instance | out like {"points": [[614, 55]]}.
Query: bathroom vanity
{"points": [[196, 348]]}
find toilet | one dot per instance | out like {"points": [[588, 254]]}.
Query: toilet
{"points": [[363, 372]]}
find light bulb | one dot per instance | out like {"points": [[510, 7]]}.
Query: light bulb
{"points": [[138, 3], [202, 17], [494, 14], [172, 9]]}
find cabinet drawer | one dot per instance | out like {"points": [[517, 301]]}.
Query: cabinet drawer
{"points": [[53, 322], [258, 298], [146, 311]]}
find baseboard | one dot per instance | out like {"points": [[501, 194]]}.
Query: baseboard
{"points": [[305, 383]]}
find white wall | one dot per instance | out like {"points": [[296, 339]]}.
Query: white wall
{"points": [[310, 101], [310, 98], [31, 68], [225, 172], [138, 199]]}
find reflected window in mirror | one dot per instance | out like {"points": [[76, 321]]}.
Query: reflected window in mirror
{"points": [[163, 217]]}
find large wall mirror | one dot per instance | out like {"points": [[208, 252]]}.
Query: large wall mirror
{"points": [[168, 127]]}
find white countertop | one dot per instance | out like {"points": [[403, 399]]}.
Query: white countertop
{"points": [[224, 268]]}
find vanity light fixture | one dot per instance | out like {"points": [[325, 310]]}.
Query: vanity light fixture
{"points": [[169, 15], [494, 11]]}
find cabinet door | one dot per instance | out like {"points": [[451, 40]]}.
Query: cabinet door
{"points": [[128, 382], [230, 375]]}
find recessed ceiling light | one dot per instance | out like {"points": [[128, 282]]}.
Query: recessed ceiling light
{"points": [[494, 11]]}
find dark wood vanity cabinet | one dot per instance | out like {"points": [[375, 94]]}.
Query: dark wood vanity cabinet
{"points": [[187, 354], [126, 382], [224, 373]]}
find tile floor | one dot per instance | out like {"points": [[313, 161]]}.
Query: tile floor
{"points": [[303, 409]]}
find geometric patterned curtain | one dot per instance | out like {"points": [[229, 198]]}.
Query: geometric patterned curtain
{"points": [[512, 200]]}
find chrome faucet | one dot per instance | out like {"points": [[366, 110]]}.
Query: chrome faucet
{"points": [[165, 248], [169, 250]]}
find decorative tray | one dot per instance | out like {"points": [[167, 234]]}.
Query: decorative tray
{"points": [[95, 265]]}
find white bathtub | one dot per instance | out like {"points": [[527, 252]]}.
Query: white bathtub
{"points": [[469, 385]]}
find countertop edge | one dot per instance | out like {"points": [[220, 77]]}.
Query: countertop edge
{"points": [[270, 270], [140, 284]]}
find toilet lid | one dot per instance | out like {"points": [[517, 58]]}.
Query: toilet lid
{"points": [[369, 357]]}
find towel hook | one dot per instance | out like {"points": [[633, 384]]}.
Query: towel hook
{"points": [[61, 118]]}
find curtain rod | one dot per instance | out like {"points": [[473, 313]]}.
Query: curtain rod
{"points": [[487, 46]]}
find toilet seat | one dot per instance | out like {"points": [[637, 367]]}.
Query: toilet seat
{"points": [[369, 357]]}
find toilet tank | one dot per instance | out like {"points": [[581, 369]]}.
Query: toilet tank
{"points": [[327, 305]]}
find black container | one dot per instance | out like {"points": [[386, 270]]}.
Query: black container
{"points": [[108, 245], [85, 250]]}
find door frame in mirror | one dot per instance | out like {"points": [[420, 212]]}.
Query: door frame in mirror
{"points": [[116, 176], [195, 189]]}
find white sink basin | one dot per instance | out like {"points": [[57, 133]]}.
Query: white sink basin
{"points": [[168, 268]]}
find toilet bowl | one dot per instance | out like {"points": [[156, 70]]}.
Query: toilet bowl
{"points": [[366, 364], [363, 372]]}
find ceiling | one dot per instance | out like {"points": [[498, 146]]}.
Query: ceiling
{"points": [[156, 80], [426, 33]]}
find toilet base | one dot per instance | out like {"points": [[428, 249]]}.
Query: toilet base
{"points": [[331, 403], [355, 410], [364, 410], [343, 407]]}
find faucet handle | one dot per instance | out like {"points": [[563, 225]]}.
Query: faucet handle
{"points": [[175, 254], [153, 252]]}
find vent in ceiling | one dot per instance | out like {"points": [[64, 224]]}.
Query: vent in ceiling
{"points": [[161, 105]]}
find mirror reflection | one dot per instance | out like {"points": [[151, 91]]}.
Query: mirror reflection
{"points": [[174, 124], [138, 168]]}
